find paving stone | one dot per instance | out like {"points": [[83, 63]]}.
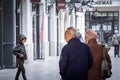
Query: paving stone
{"points": [[48, 69]]}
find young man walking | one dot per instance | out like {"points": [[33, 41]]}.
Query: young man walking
{"points": [[20, 53]]}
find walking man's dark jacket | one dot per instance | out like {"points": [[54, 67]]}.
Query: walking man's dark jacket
{"points": [[20, 49], [75, 60]]}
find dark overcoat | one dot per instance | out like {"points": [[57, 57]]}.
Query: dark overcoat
{"points": [[75, 60]]}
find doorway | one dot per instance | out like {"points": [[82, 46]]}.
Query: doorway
{"points": [[105, 23], [104, 31]]}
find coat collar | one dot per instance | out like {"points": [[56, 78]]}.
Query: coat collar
{"points": [[74, 40], [92, 41]]}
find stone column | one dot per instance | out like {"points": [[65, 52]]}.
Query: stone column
{"points": [[27, 28], [53, 32]]}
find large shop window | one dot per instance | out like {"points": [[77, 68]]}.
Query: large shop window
{"points": [[105, 23]]}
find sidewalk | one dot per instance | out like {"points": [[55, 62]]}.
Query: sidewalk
{"points": [[38, 70], [49, 70], [115, 66]]}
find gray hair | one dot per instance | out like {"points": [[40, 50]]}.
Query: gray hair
{"points": [[72, 31], [91, 34]]}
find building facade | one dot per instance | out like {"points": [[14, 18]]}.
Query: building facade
{"points": [[104, 19], [44, 25], [7, 33]]}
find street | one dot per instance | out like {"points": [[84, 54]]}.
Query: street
{"points": [[48, 69]]}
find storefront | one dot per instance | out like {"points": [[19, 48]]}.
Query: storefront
{"points": [[104, 19], [106, 23]]}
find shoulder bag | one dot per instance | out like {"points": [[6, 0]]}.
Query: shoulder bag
{"points": [[105, 67]]}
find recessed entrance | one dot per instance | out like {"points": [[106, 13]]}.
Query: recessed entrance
{"points": [[104, 23]]}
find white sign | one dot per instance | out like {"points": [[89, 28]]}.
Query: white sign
{"points": [[103, 3]]}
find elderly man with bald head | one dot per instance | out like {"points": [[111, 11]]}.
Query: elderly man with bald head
{"points": [[97, 50], [75, 59]]}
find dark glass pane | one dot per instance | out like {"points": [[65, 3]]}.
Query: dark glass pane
{"points": [[0, 4], [116, 25], [110, 16], [87, 24], [116, 16], [109, 26], [87, 17]]}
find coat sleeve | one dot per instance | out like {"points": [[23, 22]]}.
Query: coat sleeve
{"points": [[90, 58], [16, 51], [63, 61]]}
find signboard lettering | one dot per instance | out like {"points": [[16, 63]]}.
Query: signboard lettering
{"points": [[103, 3]]}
